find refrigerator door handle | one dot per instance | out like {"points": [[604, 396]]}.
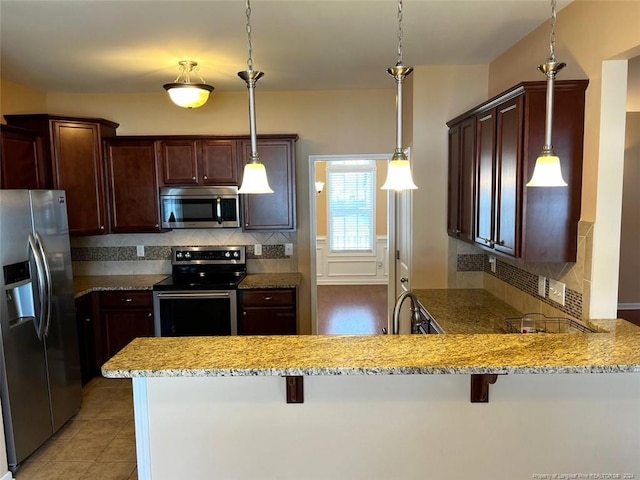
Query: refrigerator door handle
{"points": [[42, 286], [47, 275]]}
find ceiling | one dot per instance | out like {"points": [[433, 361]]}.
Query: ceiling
{"points": [[133, 46]]}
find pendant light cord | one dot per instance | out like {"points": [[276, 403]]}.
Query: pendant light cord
{"points": [[250, 44], [400, 32], [552, 40]]}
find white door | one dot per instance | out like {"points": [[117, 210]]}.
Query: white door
{"points": [[403, 254]]}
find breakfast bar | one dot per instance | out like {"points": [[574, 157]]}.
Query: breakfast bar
{"points": [[380, 407]]}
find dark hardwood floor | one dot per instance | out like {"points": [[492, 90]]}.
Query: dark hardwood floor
{"points": [[351, 309]]}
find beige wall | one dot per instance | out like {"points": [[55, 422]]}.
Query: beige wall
{"points": [[381, 199], [15, 98], [629, 287], [439, 94]]}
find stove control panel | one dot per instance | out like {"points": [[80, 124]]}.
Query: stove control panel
{"points": [[199, 255]]}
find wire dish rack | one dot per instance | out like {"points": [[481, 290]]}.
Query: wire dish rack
{"points": [[543, 324]]}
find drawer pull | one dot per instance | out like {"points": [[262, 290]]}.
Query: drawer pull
{"points": [[268, 298], [127, 299]]}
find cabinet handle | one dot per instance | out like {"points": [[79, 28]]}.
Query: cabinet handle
{"points": [[194, 178], [246, 224], [488, 241], [157, 225], [205, 177], [500, 243], [88, 320], [267, 298], [101, 227], [127, 299], [149, 314]]}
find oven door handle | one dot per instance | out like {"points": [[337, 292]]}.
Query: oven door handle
{"points": [[192, 295]]}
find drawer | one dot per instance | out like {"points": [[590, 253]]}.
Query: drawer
{"points": [[125, 299], [268, 297]]}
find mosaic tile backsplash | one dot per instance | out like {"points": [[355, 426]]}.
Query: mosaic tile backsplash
{"points": [[521, 279]]}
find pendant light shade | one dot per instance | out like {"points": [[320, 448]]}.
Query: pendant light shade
{"points": [[185, 93], [254, 178], [399, 171], [547, 171]]}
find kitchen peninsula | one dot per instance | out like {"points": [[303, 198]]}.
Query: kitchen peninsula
{"points": [[381, 407]]}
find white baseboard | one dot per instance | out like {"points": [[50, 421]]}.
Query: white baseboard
{"points": [[6, 476]]}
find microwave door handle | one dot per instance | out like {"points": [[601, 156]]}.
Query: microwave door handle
{"points": [[219, 210]]}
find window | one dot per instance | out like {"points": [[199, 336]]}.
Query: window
{"points": [[351, 209]]}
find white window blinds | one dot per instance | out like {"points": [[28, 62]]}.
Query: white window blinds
{"points": [[351, 209]]}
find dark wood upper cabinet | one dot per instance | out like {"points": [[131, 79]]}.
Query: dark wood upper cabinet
{"points": [[191, 161], [73, 162], [461, 180], [20, 159], [132, 175], [273, 211], [536, 224]]}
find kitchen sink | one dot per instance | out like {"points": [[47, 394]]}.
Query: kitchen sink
{"points": [[539, 323]]}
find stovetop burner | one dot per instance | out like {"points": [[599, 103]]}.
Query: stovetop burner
{"points": [[205, 268]]}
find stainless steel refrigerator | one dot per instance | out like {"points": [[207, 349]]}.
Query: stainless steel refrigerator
{"points": [[39, 360]]}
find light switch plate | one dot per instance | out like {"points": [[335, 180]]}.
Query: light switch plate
{"points": [[542, 285], [257, 249], [140, 250], [556, 291], [288, 249], [492, 262]]}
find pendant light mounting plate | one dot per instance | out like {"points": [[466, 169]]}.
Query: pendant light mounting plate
{"points": [[250, 76]]}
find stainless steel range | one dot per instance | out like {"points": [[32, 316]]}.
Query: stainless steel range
{"points": [[200, 297]]}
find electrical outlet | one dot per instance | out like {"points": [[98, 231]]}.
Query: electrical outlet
{"points": [[556, 291], [288, 249], [492, 262], [140, 250], [542, 286], [257, 249]]}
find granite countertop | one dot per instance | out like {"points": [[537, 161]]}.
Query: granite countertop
{"points": [[375, 355], [466, 311], [469, 311], [83, 284], [270, 280]]}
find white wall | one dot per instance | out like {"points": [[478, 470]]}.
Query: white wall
{"points": [[394, 427], [367, 268]]}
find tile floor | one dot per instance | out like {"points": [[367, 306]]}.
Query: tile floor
{"points": [[97, 444]]}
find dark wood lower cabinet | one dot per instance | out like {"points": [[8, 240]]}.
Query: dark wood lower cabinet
{"points": [[89, 367], [125, 316], [268, 312]]}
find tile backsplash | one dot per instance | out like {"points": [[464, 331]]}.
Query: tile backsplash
{"points": [[116, 254], [517, 283]]}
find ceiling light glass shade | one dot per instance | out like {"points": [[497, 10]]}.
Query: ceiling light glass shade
{"points": [[254, 179], [185, 93], [188, 95], [399, 175], [547, 172]]}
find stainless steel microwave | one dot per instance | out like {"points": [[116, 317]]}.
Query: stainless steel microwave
{"points": [[200, 207]]}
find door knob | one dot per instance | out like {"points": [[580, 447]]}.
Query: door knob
{"points": [[403, 280]]}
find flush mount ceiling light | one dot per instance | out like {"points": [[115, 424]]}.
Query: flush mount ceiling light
{"points": [[254, 179], [185, 93], [399, 171], [547, 172]]}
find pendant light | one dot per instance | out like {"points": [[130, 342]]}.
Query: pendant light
{"points": [[254, 179], [399, 169], [547, 172], [185, 93]]}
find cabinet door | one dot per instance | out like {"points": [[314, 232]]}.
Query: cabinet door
{"points": [[218, 162], [87, 350], [179, 162], [133, 186], [20, 157], [78, 170], [484, 214], [507, 184], [461, 180], [274, 211], [268, 321], [123, 325]]}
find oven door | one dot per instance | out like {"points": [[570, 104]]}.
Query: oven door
{"points": [[195, 313]]}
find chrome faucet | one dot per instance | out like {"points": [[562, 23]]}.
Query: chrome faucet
{"points": [[416, 320]]}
